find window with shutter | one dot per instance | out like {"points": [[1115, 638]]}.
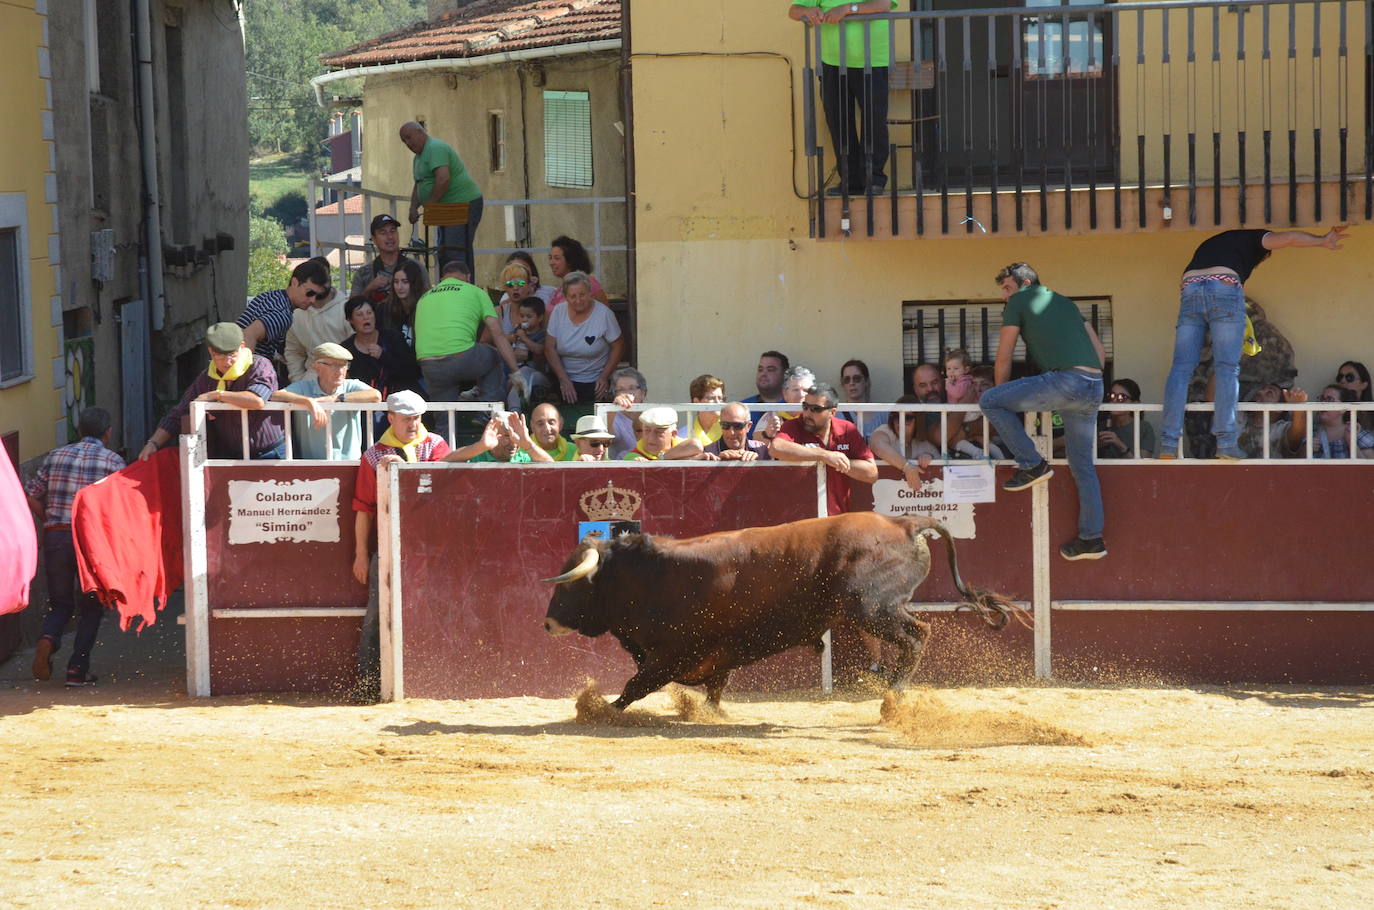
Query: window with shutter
{"points": [[568, 139], [13, 300]]}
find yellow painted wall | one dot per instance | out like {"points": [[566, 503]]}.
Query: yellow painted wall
{"points": [[455, 106], [726, 269], [34, 407]]}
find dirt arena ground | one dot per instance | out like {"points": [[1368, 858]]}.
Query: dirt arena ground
{"points": [[1036, 796]]}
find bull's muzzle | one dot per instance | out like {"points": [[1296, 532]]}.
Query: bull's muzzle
{"points": [[554, 627]]}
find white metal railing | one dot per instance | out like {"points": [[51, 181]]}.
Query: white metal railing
{"points": [[391, 204], [606, 410]]}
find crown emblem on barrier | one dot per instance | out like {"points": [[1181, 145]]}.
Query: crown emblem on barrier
{"points": [[609, 504]]}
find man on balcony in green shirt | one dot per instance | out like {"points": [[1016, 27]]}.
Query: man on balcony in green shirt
{"points": [[440, 177], [860, 149]]}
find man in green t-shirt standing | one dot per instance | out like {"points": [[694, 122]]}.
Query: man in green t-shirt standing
{"points": [[1070, 358], [441, 177], [860, 153], [448, 321]]}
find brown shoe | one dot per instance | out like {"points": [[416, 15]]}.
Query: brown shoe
{"points": [[42, 659]]}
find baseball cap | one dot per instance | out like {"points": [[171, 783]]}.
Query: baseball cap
{"points": [[381, 220], [406, 404], [331, 350], [591, 427], [224, 337], [658, 417]]}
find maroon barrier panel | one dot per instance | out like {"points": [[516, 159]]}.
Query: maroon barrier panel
{"points": [[962, 648], [476, 540], [277, 571], [1248, 532]]}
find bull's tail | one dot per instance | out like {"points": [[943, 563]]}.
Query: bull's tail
{"points": [[994, 608]]}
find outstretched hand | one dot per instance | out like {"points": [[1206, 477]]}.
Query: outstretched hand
{"points": [[1333, 238]]}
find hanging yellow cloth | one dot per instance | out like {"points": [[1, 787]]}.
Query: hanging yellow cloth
{"points": [[407, 448], [241, 365]]}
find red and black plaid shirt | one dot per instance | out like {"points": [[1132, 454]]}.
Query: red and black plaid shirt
{"points": [[67, 470]]}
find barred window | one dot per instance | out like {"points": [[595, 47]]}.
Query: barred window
{"points": [[931, 327], [568, 139], [13, 301]]}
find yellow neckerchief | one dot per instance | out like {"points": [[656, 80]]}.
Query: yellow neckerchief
{"points": [[241, 365], [639, 450], [563, 451], [787, 415], [705, 437], [408, 448]]}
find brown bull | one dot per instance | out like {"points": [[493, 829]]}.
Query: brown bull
{"points": [[692, 610]]}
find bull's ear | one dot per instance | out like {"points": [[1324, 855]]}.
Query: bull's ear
{"points": [[582, 570]]}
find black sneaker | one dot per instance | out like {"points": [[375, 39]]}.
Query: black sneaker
{"points": [[1083, 548], [76, 679], [1026, 478]]}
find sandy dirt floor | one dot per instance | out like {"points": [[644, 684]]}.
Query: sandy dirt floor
{"points": [[132, 794]]}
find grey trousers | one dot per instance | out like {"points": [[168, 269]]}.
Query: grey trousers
{"points": [[446, 376]]}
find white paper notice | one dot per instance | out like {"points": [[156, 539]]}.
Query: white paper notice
{"points": [[294, 511], [894, 497], [970, 483]]}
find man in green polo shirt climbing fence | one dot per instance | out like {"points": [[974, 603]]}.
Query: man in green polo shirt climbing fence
{"points": [[1070, 358], [441, 177], [448, 321], [849, 86]]}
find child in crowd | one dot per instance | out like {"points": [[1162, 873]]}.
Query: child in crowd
{"points": [[958, 382], [528, 343]]}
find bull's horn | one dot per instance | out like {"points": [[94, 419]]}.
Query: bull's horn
{"points": [[581, 570]]}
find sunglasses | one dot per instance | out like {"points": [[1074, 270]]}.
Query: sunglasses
{"points": [[734, 424], [320, 294], [1118, 396], [516, 283], [1348, 377], [597, 443], [817, 408]]}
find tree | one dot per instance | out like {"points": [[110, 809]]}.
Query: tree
{"points": [[265, 234], [266, 272], [283, 41]]}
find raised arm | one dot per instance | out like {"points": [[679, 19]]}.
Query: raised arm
{"points": [[1279, 240]]}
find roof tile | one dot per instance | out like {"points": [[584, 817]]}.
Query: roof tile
{"points": [[488, 27]]}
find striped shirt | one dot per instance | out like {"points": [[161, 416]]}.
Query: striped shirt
{"points": [[67, 470], [273, 310]]}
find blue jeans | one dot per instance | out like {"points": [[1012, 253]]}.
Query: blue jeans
{"points": [[456, 240], [65, 598], [1076, 395], [1218, 307]]}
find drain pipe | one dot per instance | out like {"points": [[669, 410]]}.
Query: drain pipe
{"points": [[150, 263]]}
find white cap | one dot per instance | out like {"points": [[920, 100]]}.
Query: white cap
{"points": [[658, 417], [407, 404]]}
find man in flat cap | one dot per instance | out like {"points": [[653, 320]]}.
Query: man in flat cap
{"points": [[658, 438], [328, 382], [405, 440], [234, 376]]}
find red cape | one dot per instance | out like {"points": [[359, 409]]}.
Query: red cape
{"points": [[127, 532]]}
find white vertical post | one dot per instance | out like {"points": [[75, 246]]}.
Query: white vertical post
{"points": [[1040, 555], [827, 663], [195, 566], [389, 582], [314, 198]]}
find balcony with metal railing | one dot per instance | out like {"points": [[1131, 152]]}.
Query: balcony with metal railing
{"points": [[1061, 117]]}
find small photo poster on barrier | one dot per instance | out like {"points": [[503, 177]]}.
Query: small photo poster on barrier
{"points": [[970, 483], [605, 530]]}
